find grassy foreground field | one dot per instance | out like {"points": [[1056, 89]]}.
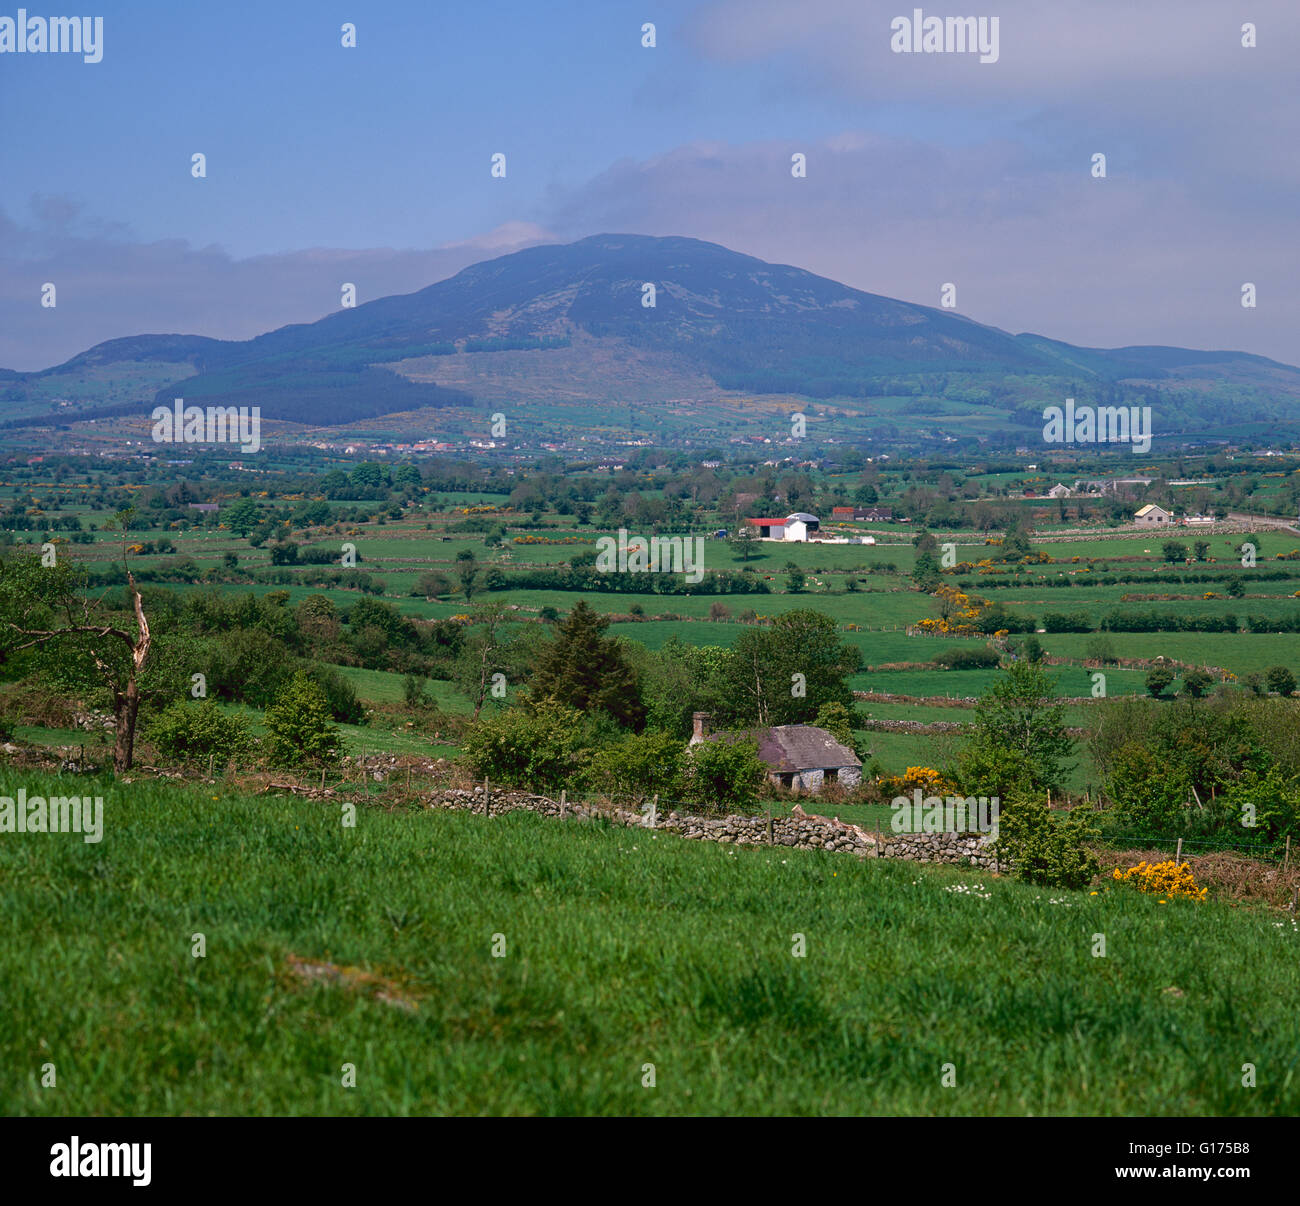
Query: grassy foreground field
{"points": [[621, 948]]}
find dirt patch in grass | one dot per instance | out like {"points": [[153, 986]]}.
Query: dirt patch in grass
{"points": [[351, 979]]}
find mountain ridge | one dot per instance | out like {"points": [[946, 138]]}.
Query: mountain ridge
{"points": [[741, 322]]}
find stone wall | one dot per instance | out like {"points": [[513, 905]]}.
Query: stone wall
{"points": [[797, 831], [975, 849]]}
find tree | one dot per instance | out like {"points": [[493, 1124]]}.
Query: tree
{"points": [[1173, 551], [926, 573], [1149, 790], [243, 517], [1018, 736], [48, 608], [794, 578], [1158, 680], [1031, 649], [1280, 679], [298, 724], [745, 542], [587, 670], [1201, 550], [488, 651], [1196, 683], [1101, 649], [784, 673], [467, 570], [839, 721]]}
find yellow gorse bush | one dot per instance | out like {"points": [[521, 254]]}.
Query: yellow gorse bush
{"points": [[929, 780], [1163, 879]]}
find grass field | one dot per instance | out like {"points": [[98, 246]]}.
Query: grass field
{"points": [[621, 949]]}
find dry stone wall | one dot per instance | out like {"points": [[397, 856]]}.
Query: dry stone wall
{"points": [[799, 831]]}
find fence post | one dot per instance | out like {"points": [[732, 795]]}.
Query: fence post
{"points": [[211, 758], [770, 840], [487, 797], [564, 802], [1178, 854], [322, 778], [1286, 854]]}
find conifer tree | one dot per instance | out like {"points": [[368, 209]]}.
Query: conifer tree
{"points": [[587, 670]]}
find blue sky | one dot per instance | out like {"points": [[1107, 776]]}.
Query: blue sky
{"points": [[370, 165]]}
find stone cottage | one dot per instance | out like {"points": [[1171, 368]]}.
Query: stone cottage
{"points": [[798, 756]]}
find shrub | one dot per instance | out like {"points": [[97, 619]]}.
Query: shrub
{"points": [[431, 584], [968, 659], [639, 766], [926, 780], [1045, 849], [726, 774], [298, 724], [1075, 622], [538, 748], [191, 732], [1158, 680], [1150, 794], [1031, 649], [1280, 679], [1161, 879], [340, 694]]}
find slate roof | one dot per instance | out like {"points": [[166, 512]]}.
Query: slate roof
{"points": [[797, 747]]}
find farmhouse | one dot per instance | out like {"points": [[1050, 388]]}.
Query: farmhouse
{"points": [[795, 527], [799, 756], [1152, 516], [1059, 491]]}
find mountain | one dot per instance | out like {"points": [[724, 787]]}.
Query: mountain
{"points": [[570, 322]]}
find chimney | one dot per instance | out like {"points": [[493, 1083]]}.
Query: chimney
{"points": [[700, 726]]}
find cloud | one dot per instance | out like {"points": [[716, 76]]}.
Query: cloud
{"points": [[1030, 246], [1047, 52], [110, 285]]}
